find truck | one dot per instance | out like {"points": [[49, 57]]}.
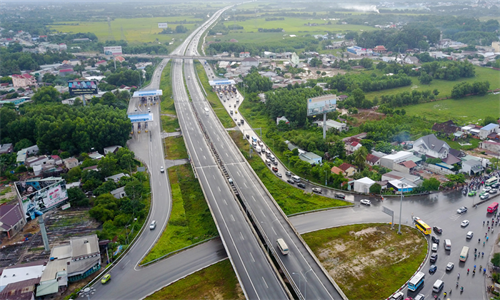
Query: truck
{"points": [[258, 149]]}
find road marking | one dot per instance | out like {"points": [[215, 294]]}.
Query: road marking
{"points": [[262, 211], [245, 185], [251, 256], [232, 218], [274, 231], [265, 282], [225, 201], [254, 199], [241, 235], [219, 188]]}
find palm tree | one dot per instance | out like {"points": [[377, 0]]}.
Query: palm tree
{"points": [[360, 157]]}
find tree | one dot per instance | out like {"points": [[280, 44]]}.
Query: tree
{"points": [[46, 94], [496, 260], [431, 184], [375, 188], [366, 63], [425, 78], [358, 97], [360, 157], [107, 165], [77, 197], [488, 120], [381, 65], [134, 189]]}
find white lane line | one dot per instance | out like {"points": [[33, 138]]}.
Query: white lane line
{"points": [[274, 231], [265, 282], [254, 199], [242, 237], [218, 187], [251, 256], [225, 201], [245, 184], [232, 218]]}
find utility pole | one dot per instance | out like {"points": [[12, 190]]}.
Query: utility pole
{"points": [[401, 206]]}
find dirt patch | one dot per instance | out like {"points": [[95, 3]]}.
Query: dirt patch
{"points": [[358, 256]]}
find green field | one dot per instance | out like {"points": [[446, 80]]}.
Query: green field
{"points": [[215, 282], [443, 86], [190, 220], [175, 148], [138, 30], [467, 110], [358, 256], [291, 199], [169, 124], [213, 99], [167, 100]]}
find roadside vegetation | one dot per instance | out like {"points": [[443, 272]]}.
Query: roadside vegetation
{"points": [[169, 124], [358, 256], [167, 100], [213, 99], [190, 220], [175, 148], [291, 199], [214, 282]]}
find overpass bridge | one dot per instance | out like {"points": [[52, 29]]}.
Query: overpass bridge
{"points": [[171, 56]]}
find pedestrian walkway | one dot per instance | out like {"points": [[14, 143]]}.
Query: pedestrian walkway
{"points": [[169, 134], [175, 162]]}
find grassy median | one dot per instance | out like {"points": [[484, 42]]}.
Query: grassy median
{"points": [[213, 99], [190, 220], [167, 100], [290, 199], [175, 148], [357, 257], [215, 282]]}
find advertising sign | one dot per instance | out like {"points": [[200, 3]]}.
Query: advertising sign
{"points": [[38, 196], [162, 25], [321, 105], [113, 50], [82, 87]]}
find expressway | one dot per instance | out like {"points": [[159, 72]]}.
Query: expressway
{"points": [[270, 219]]}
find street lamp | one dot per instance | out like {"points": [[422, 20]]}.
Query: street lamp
{"points": [[401, 205]]}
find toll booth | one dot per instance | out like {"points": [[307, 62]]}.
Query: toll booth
{"points": [[139, 118], [148, 97]]}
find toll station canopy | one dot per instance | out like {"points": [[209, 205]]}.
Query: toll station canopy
{"points": [[136, 118], [221, 82], [148, 93]]}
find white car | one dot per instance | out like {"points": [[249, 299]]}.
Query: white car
{"points": [[278, 174], [487, 188], [450, 266], [462, 210], [469, 235], [365, 202], [162, 170], [464, 223], [434, 247]]}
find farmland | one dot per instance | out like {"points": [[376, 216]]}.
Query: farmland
{"points": [[138, 30]]}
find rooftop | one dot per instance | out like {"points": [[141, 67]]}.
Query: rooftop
{"points": [[490, 126]]}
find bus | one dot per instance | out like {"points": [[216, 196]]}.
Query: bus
{"points": [[282, 246], [464, 254], [491, 181], [420, 225], [416, 281]]}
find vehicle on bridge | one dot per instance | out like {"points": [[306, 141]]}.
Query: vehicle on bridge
{"points": [[420, 225], [282, 246]]}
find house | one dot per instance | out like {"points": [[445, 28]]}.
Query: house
{"points": [[63, 47], [405, 167], [55, 160], [250, 62], [66, 72], [401, 186], [112, 149], [70, 162], [21, 272], [352, 145], [486, 130], [348, 169], [332, 124], [446, 128], [380, 49], [372, 160], [471, 167], [6, 148], [36, 161], [389, 161], [363, 185], [119, 193], [11, 219], [490, 146], [337, 170], [282, 119], [311, 158], [341, 97], [360, 51], [70, 262], [244, 54], [294, 59], [399, 176], [24, 80], [431, 146], [21, 290], [96, 155], [91, 168], [116, 177]]}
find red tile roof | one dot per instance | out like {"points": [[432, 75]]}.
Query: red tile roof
{"points": [[346, 166], [372, 158], [336, 170], [22, 76], [354, 144], [409, 164]]}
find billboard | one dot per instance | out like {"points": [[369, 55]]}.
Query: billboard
{"points": [[162, 25], [321, 105], [82, 87], [40, 195], [113, 50]]}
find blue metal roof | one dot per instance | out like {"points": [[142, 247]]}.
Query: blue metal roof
{"points": [[148, 93], [490, 126], [134, 118]]}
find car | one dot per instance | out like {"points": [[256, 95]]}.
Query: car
{"points": [[496, 185], [365, 202], [462, 210], [397, 296], [469, 235], [275, 162], [339, 195], [493, 191], [472, 193], [434, 247], [279, 174], [464, 223], [275, 169], [288, 173], [162, 169], [152, 225], [432, 269], [301, 185], [434, 257], [450, 266], [420, 297], [487, 188], [290, 181], [435, 240], [316, 190], [484, 196], [105, 278], [415, 218]]}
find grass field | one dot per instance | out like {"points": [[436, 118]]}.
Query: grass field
{"points": [[215, 282], [190, 220], [175, 148], [358, 256], [290, 199], [214, 101], [443, 86], [467, 110], [169, 124], [167, 101], [138, 30]]}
